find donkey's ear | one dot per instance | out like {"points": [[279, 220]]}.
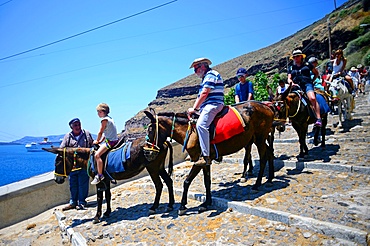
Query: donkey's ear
{"points": [[152, 111], [286, 92], [149, 115], [52, 150]]}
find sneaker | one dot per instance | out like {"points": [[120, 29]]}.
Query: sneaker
{"points": [[80, 207], [202, 162], [318, 123], [97, 179], [68, 207]]}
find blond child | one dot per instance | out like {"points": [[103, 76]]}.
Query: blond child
{"points": [[107, 133]]}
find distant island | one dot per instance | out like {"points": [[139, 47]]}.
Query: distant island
{"points": [[30, 139]]}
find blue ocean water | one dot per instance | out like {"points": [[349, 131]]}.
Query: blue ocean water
{"points": [[17, 164]]}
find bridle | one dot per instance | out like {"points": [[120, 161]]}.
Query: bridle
{"points": [[74, 167]]}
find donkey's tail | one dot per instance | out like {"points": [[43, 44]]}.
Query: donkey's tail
{"points": [[170, 159]]}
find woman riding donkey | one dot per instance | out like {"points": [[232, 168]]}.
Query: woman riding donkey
{"points": [[339, 64], [299, 74]]}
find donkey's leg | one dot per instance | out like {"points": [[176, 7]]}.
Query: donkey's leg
{"points": [[270, 159], [108, 198], [184, 200], [99, 199], [261, 146], [323, 130], [154, 174], [247, 163], [169, 183], [301, 130], [207, 183]]}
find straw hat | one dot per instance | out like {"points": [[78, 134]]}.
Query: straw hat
{"points": [[353, 69], [200, 60], [297, 53]]}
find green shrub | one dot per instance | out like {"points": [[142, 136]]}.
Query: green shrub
{"points": [[260, 84], [358, 43], [343, 13], [366, 59], [356, 9], [229, 98]]}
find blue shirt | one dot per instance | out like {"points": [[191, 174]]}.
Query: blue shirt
{"points": [[242, 90], [213, 80]]}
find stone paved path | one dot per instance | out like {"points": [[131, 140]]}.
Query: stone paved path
{"points": [[321, 200]]}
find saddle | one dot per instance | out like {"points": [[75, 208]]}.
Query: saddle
{"points": [[115, 159], [227, 123], [321, 98]]}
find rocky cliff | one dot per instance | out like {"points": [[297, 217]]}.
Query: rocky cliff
{"points": [[313, 40]]}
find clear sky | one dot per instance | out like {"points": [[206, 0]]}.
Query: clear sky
{"points": [[125, 63]]}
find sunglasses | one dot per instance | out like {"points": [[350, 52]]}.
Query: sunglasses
{"points": [[239, 76], [76, 124], [196, 67]]}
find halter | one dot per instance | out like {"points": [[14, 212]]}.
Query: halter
{"points": [[74, 167], [64, 165]]}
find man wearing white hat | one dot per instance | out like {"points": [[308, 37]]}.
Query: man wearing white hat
{"points": [[209, 102]]}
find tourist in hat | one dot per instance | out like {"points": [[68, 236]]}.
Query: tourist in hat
{"points": [[208, 104], [300, 74], [355, 76], [78, 178], [244, 89], [363, 75]]}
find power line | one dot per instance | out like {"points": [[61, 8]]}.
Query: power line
{"points": [[5, 3], [171, 29], [93, 29], [153, 52]]}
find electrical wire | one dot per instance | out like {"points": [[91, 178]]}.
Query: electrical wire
{"points": [[90, 30]]}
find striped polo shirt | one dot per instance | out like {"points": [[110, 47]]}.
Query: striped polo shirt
{"points": [[212, 79]]}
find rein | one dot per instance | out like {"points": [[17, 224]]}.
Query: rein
{"points": [[299, 106]]}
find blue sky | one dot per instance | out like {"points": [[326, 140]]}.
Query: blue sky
{"points": [[123, 64]]}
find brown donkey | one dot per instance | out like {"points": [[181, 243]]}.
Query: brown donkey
{"points": [[66, 157], [258, 119]]}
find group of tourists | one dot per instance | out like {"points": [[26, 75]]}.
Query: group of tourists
{"points": [[209, 102]]}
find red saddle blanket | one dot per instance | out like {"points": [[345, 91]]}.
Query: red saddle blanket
{"points": [[228, 126]]}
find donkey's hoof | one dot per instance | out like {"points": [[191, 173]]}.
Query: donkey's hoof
{"points": [[151, 211], [182, 210], [243, 180], [202, 209], [96, 220], [269, 184]]}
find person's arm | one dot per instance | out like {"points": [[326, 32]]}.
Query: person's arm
{"points": [[89, 138], [344, 65], [237, 99], [200, 99], [99, 138], [250, 91], [290, 80], [315, 73], [64, 141]]}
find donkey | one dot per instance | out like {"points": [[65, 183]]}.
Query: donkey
{"points": [[67, 158], [339, 90], [258, 120]]}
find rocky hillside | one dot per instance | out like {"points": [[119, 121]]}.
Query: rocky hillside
{"points": [[313, 40]]}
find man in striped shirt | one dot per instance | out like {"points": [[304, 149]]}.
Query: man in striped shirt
{"points": [[209, 102]]}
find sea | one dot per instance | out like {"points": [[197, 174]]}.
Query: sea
{"points": [[17, 164]]}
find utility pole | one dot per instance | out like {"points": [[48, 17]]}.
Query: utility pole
{"points": [[329, 34], [335, 4]]}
